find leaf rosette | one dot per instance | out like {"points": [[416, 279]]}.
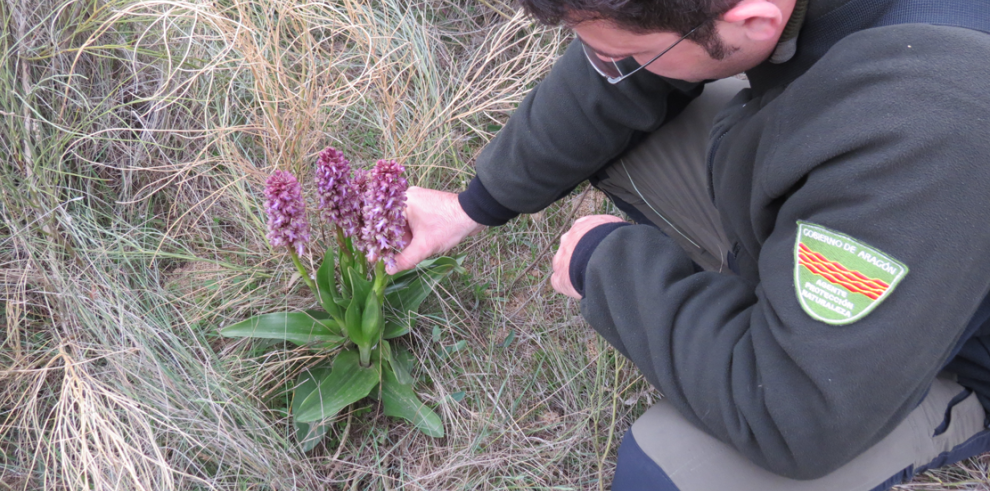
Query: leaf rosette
{"points": [[363, 306]]}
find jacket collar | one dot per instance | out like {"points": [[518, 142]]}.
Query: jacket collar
{"points": [[787, 45], [814, 26]]}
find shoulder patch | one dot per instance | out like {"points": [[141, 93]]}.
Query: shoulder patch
{"points": [[839, 280]]}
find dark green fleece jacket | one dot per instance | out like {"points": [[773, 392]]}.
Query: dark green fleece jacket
{"points": [[876, 139]]}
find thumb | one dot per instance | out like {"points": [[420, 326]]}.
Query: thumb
{"points": [[408, 258]]}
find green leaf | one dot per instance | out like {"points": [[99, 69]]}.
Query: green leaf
{"points": [[409, 289], [327, 285], [296, 327], [346, 264], [335, 326], [371, 319], [435, 335], [309, 434], [306, 383], [360, 286], [347, 383], [457, 396], [403, 278], [386, 350], [509, 339], [394, 328], [317, 314], [399, 359], [407, 300], [352, 320], [436, 268], [454, 348], [400, 401]]}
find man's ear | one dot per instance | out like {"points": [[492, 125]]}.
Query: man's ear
{"points": [[759, 20]]}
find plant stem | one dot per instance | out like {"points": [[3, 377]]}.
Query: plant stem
{"points": [[304, 273], [341, 240], [380, 277], [365, 354]]}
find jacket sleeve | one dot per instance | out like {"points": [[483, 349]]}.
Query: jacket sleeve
{"points": [[565, 130], [742, 359]]}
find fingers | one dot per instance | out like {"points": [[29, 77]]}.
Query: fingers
{"points": [[561, 279], [591, 221], [419, 245], [435, 223]]}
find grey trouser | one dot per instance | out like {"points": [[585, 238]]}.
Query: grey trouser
{"points": [[665, 180], [665, 452]]}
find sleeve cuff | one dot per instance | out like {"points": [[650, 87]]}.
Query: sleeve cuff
{"points": [[479, 204], [585, 248]]}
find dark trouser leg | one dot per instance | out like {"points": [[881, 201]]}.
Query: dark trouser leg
{"points": [[665, 452], [665, 178]]}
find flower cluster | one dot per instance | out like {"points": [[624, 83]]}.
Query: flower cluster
{"points": [[287, 224], [368, 206], [384, 220], [339, 200]]}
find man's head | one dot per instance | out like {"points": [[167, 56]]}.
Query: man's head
{"points": [[729, 36], [641, 16]]}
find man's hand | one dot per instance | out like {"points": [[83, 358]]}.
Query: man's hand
{"points": [[435, 223], [561, 279]]}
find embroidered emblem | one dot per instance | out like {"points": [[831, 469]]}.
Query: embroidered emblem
{"points": [[840, 280]]}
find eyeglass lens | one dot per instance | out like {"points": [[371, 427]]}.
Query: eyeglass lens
{"points": [[606, 67], [610, 68]]}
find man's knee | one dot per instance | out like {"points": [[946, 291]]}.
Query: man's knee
{"points": [[664, 451], [636, 471]]}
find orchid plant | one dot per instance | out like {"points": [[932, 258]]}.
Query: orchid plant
{"points": [[363, 306]]}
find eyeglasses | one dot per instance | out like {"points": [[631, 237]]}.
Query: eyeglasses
{"points": [[608, 67]]}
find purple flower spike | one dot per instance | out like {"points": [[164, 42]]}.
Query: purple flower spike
{"points": [[384, 211], [356, 203], [339, 200], [287, 223]]}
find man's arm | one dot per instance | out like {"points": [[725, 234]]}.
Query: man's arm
{"points": [[565, 130]]}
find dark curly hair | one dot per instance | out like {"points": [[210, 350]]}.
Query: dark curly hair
{"points": [[641, 16]]}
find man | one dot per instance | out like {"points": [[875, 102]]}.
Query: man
{"points": [[807, 282]]}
